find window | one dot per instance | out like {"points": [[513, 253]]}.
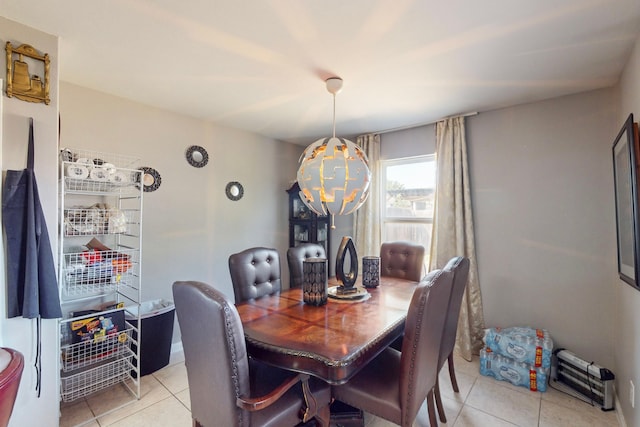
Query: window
{"points": [[408, 194]]}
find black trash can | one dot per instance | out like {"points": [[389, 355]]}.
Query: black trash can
{"points": [[157, 330]]}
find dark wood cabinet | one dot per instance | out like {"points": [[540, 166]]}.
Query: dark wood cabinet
{"points": [[305, 226]]}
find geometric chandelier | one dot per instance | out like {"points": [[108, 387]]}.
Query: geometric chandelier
{"points": [[333, 174]]}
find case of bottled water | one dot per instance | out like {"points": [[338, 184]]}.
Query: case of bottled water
{"points": [[522, 344], [517, 373]]}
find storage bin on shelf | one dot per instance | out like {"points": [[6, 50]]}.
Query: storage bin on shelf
{"points": [[98, 219], [84, 381], [88, 272], [96, 351], [84, 353], [97, 172]]}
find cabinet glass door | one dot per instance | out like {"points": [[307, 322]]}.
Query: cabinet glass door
{"points": [[301, 233], [300, 210], [323, 232]]}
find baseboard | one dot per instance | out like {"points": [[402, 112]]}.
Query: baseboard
{"points": [[619, 413], [177, 353]]}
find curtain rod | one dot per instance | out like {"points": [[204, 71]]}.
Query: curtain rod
{"points": [[474, 113]]}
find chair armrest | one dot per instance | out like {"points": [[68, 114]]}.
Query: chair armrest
{"points": [[258, 403]]}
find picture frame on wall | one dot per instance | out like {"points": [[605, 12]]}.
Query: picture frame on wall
{"points": [[625, 170]]}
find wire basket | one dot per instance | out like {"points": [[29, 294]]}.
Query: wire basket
{"points": [[98, 158], [81, 178], [87, 381], [79, 355], [100, 219], [91, 272], [98, 172]]}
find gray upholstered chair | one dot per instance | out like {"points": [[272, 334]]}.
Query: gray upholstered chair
{"points": [[402, 259], [255, 272], [226, 387], [394, 385], [459, 266], [296, 255]]}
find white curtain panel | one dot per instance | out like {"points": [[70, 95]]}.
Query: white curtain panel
{"points": [[366, 222], [453, 232]]}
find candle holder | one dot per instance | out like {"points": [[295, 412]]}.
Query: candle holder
{"points": [[371, 271], [314, 281]]}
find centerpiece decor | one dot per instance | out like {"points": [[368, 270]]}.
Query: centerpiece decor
{"points": [[348, 280], [314, 281], [371, 271]]}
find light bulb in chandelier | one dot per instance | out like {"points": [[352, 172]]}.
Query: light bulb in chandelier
{"points": [[333, 174]]}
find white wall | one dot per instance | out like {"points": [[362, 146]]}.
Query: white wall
{"points": [[189, 226], [19, 333], [408, 142], [542, 192], [627, 318], [544, 214]]}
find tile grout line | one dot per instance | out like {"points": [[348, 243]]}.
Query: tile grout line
{"points": [[140, 409], [172, 393]]}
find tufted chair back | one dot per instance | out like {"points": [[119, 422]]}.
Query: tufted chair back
{"points": [[255, 272], [295, 257], [403, 260], [226, 386]]}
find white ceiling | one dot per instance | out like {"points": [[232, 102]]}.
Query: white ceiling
{"points": [[261, 65]]}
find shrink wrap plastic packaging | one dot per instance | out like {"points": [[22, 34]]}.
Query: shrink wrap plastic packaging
{"points": [[519, 355], [523, 344], [517, 373]]}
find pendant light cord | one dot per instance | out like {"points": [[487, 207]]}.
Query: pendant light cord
{"points": [[334, 115], [333, 224]]}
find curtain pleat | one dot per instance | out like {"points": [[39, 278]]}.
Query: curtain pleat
{"points": [[366, 225], [453, 232]]}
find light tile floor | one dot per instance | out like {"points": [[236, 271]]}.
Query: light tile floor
{"points": [[482, 402]]}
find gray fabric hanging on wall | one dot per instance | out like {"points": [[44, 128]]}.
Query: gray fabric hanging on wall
{"points": [[32, 285]]}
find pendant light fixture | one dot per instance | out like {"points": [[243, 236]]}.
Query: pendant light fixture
{"points": [[334, 172]]}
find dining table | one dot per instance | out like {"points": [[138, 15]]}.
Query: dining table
{"points": [[331, 341]]}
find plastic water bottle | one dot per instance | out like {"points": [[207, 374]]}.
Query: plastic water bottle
{"points": [[523, 344], [517, 373]]}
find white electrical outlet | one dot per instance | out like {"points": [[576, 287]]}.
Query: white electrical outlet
{"points": [[632, 394]]}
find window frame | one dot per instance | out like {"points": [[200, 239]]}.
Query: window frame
{"points": [[384, 219]]}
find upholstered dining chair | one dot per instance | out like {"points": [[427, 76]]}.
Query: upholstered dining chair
{"points": [[459, 266], [11, 367], [255, 272], [296, 255], [226, 387], [402, 259], [394, 385]]}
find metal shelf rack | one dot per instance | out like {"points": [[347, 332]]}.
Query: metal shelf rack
{"points": [[99, 268]]}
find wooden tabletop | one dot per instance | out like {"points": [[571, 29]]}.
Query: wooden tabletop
{"points": [[332, 341]]}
